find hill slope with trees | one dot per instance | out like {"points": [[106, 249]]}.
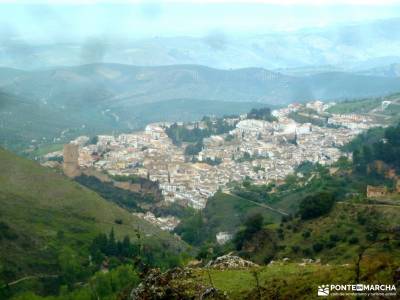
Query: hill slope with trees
{"points": [[48, 223]]}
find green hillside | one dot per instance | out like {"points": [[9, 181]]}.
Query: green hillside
{"points": [[43, 214], [24, 122], [331, 232], [223, 213], [372, 107], [56, 105], [344, 234]]}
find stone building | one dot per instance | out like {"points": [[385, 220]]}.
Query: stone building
{"points": [[376, 191], [70, 165]]}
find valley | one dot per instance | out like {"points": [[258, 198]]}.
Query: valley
{"points": [[198, 150], [39, 108]]}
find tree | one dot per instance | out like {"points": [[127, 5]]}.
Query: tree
{"points": [[112, 248], [261, 114], [317, 247], [316, 205], [192, 231], [102, 285], [71, 269], [252, 225], [126, 247]]}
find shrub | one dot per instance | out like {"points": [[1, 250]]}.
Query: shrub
{"points": [[307, 252], [361, 219], [306, 234], [334, 238], [318, 247], [253, 224], [330, 244], [371, 236], [295, 249], [317, 205], [353, 240], [280, 233]]}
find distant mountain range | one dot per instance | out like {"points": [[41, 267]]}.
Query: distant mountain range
{"points": [[392, 70], [351, 48], [89, 99], [114, 86]]}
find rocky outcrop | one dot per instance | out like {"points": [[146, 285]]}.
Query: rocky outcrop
{"points": [[230, 262], [178, 283]]}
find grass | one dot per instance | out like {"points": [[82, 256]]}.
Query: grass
{"points": [[225, 212], [356, 106], [48, 211], [280, 280], [366, 106], [45, 149], [335, 232]]}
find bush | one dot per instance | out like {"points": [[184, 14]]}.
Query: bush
{"points": [[353, 240], [361, 219], [307, 252], [334, 238], [306, 234], [371, 236], [315, 206], [280, 233], [253, 224], [295, 249], [6, 232], [317, 247], [330, 244]]}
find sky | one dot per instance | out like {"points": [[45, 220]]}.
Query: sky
{"points": [[132, 19]]}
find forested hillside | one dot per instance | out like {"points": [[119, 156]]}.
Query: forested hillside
{"points": [[48, 224]]}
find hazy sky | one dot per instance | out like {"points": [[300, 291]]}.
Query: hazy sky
{"points": [[73, 19]]}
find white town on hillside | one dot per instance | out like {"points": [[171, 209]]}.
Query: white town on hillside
{"points": [[273, 151]]}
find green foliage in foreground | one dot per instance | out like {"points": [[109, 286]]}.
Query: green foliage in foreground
{"points": [[48, 223], [277, 281], [107, 286], [291, 281]]}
